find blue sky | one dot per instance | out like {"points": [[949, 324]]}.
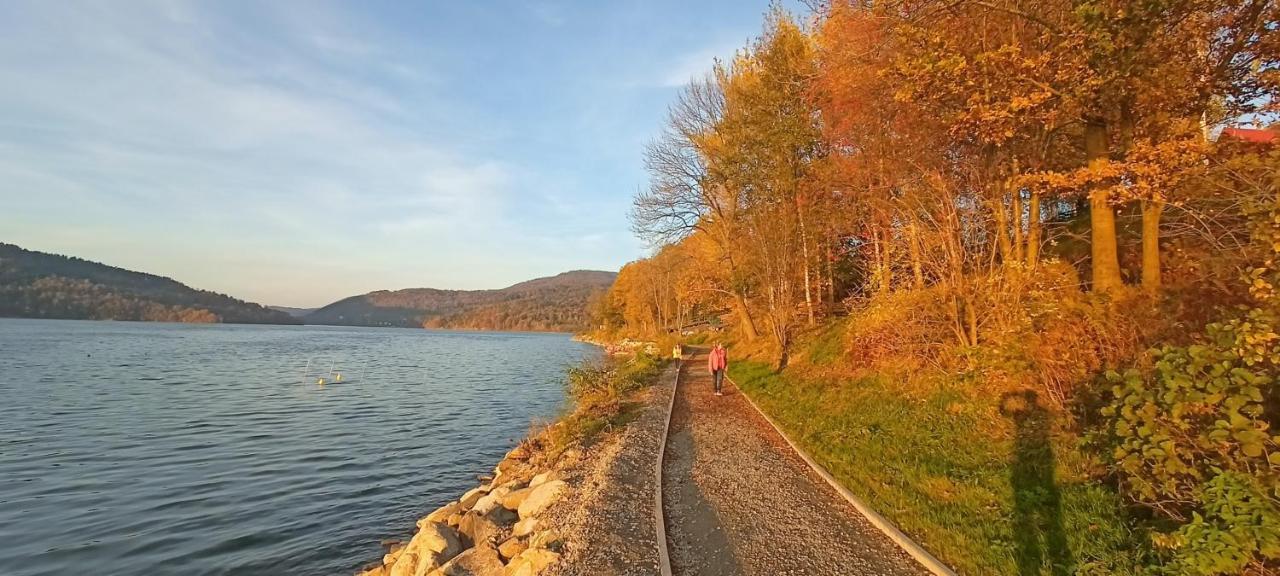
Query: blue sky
{"points": [[294, 153]]}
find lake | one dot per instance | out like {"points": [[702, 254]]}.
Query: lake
{"points": [[136, 448]]}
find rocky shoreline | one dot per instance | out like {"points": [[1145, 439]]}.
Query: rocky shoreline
{"points": [[496, 528], [547, 514]]}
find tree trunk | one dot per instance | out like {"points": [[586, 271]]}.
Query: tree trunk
{"points": [[804, 252], [972, 317], [831, 277], [1033, 230], [1002, 227], [744, 315], [1017, 224], [917, 268], [1151, 211], [1104, 253], [886, 263]]}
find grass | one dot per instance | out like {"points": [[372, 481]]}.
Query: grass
{"points": [[989, 491], [602, 392]]}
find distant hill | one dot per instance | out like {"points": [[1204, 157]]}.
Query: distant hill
{"points": [[557, 304], [39, 285], [295, 312]]}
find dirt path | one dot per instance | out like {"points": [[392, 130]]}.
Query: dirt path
{"points": [[739, 501]]}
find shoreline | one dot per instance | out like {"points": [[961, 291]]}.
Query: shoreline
{"points": [[545, 506]]}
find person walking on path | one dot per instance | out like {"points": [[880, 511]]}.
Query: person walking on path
{"points": [[677, 353], [717, 362]]}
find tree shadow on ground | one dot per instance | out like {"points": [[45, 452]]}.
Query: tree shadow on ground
{"points": [[1041, 541], [700, 545]]}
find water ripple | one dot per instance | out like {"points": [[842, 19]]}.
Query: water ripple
{"points": [[171, 449]]}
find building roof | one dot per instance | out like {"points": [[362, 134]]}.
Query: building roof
{"points": [[1255, 135]]}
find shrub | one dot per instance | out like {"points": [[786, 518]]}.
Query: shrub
{"points": [[899, 332], [598, 389], [1192, 442]]}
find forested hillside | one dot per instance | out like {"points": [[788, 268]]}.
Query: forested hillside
{"points": [[1007, 268], [556, 303], [40, 285]]}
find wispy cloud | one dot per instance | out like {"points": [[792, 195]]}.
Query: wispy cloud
{"points": [[153, 108], [696, 64], [253, 147], [549, 13]]}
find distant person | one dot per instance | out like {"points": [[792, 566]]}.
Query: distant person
{"points": [[677, 353], [717, 362]]}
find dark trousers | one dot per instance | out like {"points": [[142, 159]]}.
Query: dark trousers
{"points": [[718, 377]]}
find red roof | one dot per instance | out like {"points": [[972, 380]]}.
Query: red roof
{"points": [[1249, 135]]}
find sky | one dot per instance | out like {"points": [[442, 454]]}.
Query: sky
{"points": [[295, 153]]}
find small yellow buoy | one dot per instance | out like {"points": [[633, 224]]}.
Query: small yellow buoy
{"points": [[320, 382], [338, 379]]}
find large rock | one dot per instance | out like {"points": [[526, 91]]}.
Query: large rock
{"points": [[409, 561], [441, 514], [508, 465], [513, 499], [502, 516], [471, 497], [479, 528], [478, 561], [543, 496], [491, 500], [531, 562], [525, 527], [546, 539], [393, 554], [541, 478], [440, 538], [432, 546], [512, 547]]}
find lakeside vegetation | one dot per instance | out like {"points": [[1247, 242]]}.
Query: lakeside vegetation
{"points": [[998, 266], [602, 392]]}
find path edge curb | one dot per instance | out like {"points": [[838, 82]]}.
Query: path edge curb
{"points": [[918, 552], [659, 520]]}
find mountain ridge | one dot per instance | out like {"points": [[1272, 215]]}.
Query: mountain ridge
{"points": [[553, 303], [37, 284]]}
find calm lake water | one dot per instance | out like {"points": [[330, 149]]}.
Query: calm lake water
{"points": [[134, 448]]}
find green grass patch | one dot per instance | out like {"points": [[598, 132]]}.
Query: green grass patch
{"points": [[988, 490], [828, 343]]}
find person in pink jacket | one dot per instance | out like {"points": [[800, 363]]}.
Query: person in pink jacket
{"points": [[717, 362]]}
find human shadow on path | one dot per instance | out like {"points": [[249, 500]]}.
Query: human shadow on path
{"points": [[1037, 530]]}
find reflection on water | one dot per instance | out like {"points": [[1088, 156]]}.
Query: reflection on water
{"points": [[130, 448]]}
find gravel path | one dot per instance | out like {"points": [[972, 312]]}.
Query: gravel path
{"points": [[608, 523], [739, 501]]}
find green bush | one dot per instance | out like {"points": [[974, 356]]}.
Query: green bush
{"points": [[1192, 443]]}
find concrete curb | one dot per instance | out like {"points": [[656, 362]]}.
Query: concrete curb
{"points": [[903, 541], [659, 520]]}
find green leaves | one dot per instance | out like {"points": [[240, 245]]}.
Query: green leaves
{"points": [[1240, 525], [1192, 443]]}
